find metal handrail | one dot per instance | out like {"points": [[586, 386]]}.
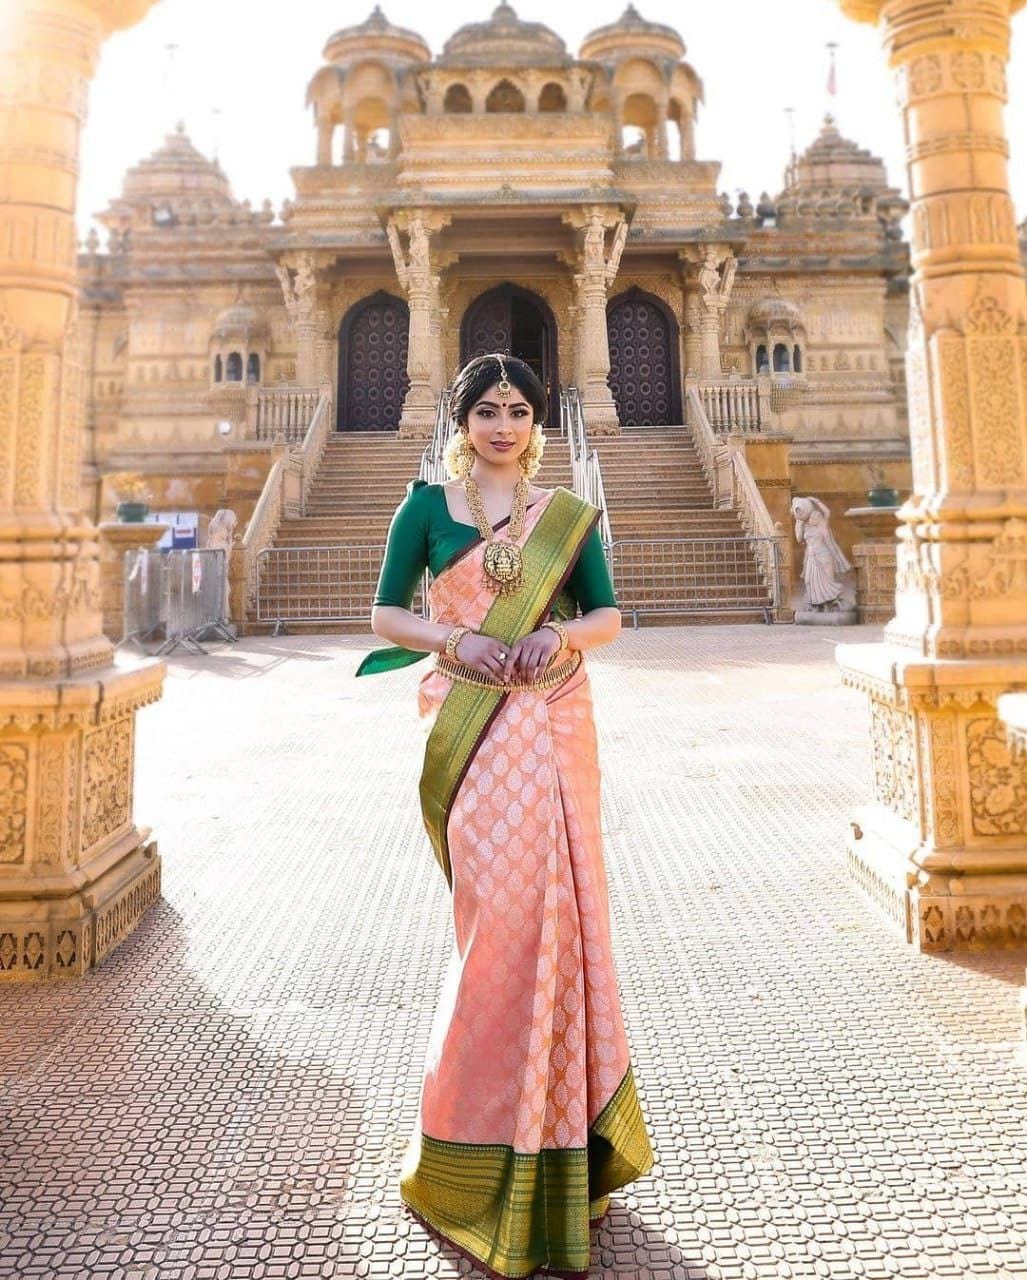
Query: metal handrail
{"points": [[433, 467], [762, 555], [586, 469]]}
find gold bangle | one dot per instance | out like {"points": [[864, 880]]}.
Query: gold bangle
{"points": [[453, 639], [561, 631]]}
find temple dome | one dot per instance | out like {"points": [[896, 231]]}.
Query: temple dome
{"points": [[632, 35], [176, 169], [376, 35], [504, 38], [833, 164]]}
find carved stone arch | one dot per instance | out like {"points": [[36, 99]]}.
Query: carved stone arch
{"points": [[373, 380], [552, 97], [645, 364], [505, 96], [457, 99], [511, 318]]}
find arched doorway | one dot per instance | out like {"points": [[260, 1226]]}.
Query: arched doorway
{"points": [[645, 367], [373, 363], [509, 318]]}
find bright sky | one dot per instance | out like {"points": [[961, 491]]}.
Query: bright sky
{"points": [[238, 78]]}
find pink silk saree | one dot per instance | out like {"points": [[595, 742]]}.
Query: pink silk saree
{"points": [[529, 1116]]}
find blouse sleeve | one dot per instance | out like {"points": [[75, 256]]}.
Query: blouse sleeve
{"points": [[590, 581], [406, 549]]}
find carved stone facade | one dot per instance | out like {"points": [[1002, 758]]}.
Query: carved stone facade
{"points": [[76, 873], [502, 160], [944, 849]]}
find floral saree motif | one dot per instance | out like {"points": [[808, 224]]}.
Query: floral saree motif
{"points": [[529, 1116]]}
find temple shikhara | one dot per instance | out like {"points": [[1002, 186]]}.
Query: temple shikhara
{"points": [[505, 194]]}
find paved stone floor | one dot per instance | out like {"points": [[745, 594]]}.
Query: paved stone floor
{"points": [[230, 1095]]}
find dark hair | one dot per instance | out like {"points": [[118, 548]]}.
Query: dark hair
{"points": [[482, 372]]}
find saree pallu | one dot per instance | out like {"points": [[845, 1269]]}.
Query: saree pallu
{"points": [[529, 1116]]}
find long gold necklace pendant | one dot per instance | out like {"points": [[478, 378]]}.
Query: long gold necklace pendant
{"points": [[504, 566]]}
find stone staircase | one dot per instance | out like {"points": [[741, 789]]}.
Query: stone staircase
{"points": [[655, 489], [361, 480]]}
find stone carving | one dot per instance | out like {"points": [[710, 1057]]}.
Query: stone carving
{"points": [[717, 277], [998, 783], [221, 537], [823, 558]]}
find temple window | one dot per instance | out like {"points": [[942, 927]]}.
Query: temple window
{"points": [[781, 361], [640, 122], [762, 361], [233, 368], [552, 98], [253, 367], [458, 100], [504, 96], [218, 369], [797, 358]]}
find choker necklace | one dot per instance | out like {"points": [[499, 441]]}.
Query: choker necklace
{"points": [[503, 564]]}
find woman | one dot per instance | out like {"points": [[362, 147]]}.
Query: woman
{"points": [[529, 1116]]}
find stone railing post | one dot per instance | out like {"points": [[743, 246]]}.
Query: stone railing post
{"points": [[77, 873], [943, 849]]}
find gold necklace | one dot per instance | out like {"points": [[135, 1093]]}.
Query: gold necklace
{"points": [[503, 564]]}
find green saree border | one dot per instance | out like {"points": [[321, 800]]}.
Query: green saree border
{"points": [[467, 712], [515, 1212]]}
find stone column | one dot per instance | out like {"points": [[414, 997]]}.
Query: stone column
{"points": [[943, 849], [716, 276], [591, 283], [299, 291], [424, 343], [325, 133], [76, 873]]}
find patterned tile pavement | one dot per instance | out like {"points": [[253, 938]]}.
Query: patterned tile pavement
{"points": [[229, 1096]]}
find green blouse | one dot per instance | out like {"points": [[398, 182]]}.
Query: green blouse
{"points": [[423, 533]]}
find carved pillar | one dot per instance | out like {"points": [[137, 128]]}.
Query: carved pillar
{"points": [[944, 848], [591, 282], [76, 873], [424, 345], [438, 315], [716, 277], [300, 292], [325, 132]]}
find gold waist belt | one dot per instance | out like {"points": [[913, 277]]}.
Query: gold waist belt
{"points": [[457, 670]]}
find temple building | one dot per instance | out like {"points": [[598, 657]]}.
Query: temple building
{"points": [[505, 193]]}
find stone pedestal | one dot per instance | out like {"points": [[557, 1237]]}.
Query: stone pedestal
{"points": [[874, 558], [117, 537], [76, 873], [943, 850]]}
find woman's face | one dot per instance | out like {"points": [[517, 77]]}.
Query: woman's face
{"points": [[500, 429]]}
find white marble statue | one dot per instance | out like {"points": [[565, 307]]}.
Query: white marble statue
{"points": [[221, 537], [823, 558]]}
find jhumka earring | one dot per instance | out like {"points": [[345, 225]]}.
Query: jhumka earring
{"points": [[463, 453]]}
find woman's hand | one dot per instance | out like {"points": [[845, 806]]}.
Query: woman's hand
{"points": [[531, 654], [482, 653]]}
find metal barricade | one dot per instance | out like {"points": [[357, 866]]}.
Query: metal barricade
{"points": [[333, 583], [175, 597], [695, 575]]}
